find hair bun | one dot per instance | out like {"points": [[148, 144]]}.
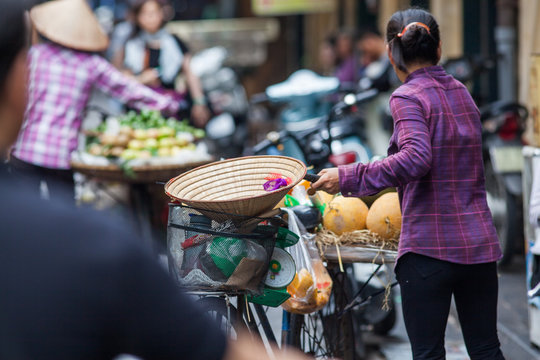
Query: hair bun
{"points": [[418, 37]]}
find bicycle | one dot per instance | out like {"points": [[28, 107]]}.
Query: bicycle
{"points": [[330, 332]]}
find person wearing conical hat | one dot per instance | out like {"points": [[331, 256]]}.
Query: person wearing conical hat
{"points": [[64, 68]]}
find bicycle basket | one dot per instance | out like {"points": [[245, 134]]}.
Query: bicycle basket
{"points": [[208, 255]]}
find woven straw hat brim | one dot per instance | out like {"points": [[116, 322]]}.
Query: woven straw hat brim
{"points": [[235, 186], [70, 23]]}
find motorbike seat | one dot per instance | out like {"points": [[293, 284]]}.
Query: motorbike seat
{"points": [[302, 83]]}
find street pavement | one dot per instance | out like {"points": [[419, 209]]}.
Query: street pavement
{"points": [[512, 324]]}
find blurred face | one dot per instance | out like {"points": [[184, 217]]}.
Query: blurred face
{"points": [[13, 102], [327, 57], [150, 17], [371, 49], [344, 47]]}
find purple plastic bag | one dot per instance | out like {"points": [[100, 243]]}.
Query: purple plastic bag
{"points": [[274, 184]]}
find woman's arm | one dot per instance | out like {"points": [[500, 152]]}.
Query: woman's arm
{"points": [[126, 89], [199, 110], [411, 162]]}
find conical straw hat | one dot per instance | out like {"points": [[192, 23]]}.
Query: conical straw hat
{"points": [[235, 186], [70, 23]]}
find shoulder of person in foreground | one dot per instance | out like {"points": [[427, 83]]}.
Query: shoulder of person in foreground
{"points": [[59, 246]]}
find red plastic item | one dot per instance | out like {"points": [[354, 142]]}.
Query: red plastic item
{"points": [[348, 157]]}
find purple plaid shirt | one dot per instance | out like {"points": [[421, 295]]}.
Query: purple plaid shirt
{"points": [[60, 84], [435, 161]]}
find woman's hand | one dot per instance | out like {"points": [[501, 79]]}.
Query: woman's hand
{"points": [[149, 77], [328, 182], [200, 115]]}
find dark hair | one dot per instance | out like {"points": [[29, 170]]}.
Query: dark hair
{"points": [[417, 45], [368, 32], [13, 35], [136, 10], [330, 39]]}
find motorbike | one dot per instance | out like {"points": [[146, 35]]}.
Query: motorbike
{"points": [[320, 144], [503, 124], [313, 130]]}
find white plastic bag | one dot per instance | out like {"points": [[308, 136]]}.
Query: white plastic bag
{"points": [[310, 290]]}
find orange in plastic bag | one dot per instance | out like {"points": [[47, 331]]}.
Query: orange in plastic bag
{"points": [[305, 282], [311, 287]]}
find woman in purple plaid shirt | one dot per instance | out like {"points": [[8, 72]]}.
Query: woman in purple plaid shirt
{"points": [[448, 244]]}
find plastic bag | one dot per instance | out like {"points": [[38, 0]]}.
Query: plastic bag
{"points": [[310, 290]]}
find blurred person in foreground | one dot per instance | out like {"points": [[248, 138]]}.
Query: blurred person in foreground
{"points": [[64, 67], [155, 58], [76, 285], [448, 245]]}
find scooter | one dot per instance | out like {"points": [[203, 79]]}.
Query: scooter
{"points": [[313, 130], [321, 144], [503, 124]]}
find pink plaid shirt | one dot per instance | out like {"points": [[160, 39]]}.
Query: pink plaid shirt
{"points": [[60, 84], [435, 161]]}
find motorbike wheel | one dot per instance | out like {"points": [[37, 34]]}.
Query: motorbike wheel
{"points": [[372, 314], [503, 210], [384, 326]]}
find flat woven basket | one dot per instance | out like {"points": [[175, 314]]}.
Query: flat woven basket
{"points": [[141, 174], [235, 186]]}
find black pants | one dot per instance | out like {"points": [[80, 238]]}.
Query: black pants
{"points": [[427, 286], [59, 183]]}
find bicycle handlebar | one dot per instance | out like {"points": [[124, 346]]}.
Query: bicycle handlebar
{"points": [[311, 177]]}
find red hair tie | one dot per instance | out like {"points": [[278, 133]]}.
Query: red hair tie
{"points": [[411, 24]]}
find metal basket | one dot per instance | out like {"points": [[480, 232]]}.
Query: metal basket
{"points": [[205, 254]]}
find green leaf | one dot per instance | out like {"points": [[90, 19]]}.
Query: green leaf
{"points": [[127, 169]]}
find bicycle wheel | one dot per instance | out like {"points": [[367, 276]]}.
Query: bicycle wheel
{"points": [[327, 333]]}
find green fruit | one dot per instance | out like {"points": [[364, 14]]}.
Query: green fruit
{"points": [[175, 150], [140, 134], [144, 154], [129, 154], [164, 152], [150, 144], [135, 144], [181, 142], [152, 133], [166, 132], [368, 200], [166, 142], [199, 133]]}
